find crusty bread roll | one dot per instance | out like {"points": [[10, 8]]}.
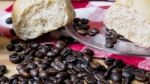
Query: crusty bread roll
{"points": [[130, 18], [32, 18]]}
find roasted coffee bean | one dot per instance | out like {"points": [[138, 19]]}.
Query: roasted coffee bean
{"points": [[10, 47], [24, 73], [99, 76], [14, 41], [62, 75], [43, 49], [78, 81], [60, 44], [15, 58], [76, 20], [4, 80], [66, 51], [58, 65], [141, 77], [31, 66], [39, 54], [2, 69], [18, 48], [117, 70], [13, 79], [78, 68], [88, 52], [102, 82], [87, 58], [108, 72], [93, 32], [52, 71], [59, 58], [73, 77], [88, 69], [82, 32], [43, 74], [9, 20], [77, 26], [109, 43], [67, 39], [109, 61], [70, 58], [82, 74], [34, 72], [72, 71], [34, 45], [127, 74], [67, 81], [51, 54], [137, 71], [85, 27], [56, 50], [27, 51], [116, 77], [89, 79], [37, 62], [20, 66], [84, 21]]}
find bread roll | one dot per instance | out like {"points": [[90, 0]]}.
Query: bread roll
{"points": [[33, 18], [130, 18]]}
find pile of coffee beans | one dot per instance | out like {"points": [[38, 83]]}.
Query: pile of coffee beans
{"points": [[112, 37], [48, 63], [82, 27]]}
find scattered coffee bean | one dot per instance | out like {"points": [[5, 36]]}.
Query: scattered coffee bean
{"points": [[15, 58], [24, 73], [141, 77], [76, 20], [34, 45], [82, 32], [84, 21], [34, 72], [88, 52], [10, 47], [60, 44], [14, 41], [9, 20], [18, 48], [116, 77], [93, 32], [43, 74]]}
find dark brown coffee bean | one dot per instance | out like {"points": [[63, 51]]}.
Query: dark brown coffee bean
{"points": [[141, 77], [39, 54], [73, 77], [84, 21], [9, 20], [137, 71], [88, 69], [66, 51], [88, 52], [18, 48], [78, 68], [31, 66], [67, 39], [127, 74], [13, 79], [2, 69], [77, 26], [89, 79], [15, 58], [109, 61], [56, 50], [116, 77], [60, 44], [58, 65], [34, 45], [62, 75], [43, 49], [27, 51], [117, 70], [20, 66], [4, 80], [87, 58], [28, 58], [24, 73], [14, 41], [93, 32], [82, 74], [10, 47], [67, 81], [59, 58], [51, 54], [82, 32], [99, 76], [70, 58], [85, 27], [52, 71], [43, 74], [34, 72], [76, 20], [78, 81], [72, 71], [102, 82], [109, 43], [37, 62]]}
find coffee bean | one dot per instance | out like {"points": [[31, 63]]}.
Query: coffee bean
{"points": [[31, 66], [10, 47], [59, 58], [67, 39], [34, 45], [85, 27], [62, 75], [99, 76], [77, 26], [56, 50], [70, 58], [9, 20], [67, 81], [71, 71], [102, 82], [39, 54], [141, 77], [34, 72], [109, 43], [2, 69], [82, 74], [20, 66], [14, 41], [117, 70], [89, 79], [66, 51], [37, 62], [87, 58], [51, 54], [58, 65], [82, 32], [15, 58], [43, 74], [137, 71], [109, 61], [43, 49], [78, 81], [73, 77], [116, 77], [24, 73], [18, 48], [76, 20], [27, 51], [93, 32], [52, 71], [88, 52], [13, 79], [4, 80], [84, 21], [60, 44], [127, 74]]}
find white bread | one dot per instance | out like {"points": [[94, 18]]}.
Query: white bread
{"points": [[33, 18], [130, 18]]}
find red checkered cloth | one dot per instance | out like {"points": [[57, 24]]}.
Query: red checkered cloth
{"points": [[140, 62]]}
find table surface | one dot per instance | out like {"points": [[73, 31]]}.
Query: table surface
{"points": [[4, 53]]}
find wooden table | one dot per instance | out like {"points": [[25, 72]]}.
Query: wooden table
{"points": [[4, 53]]}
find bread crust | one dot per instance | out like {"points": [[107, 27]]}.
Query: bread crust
{"points": [[22, 9]]}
